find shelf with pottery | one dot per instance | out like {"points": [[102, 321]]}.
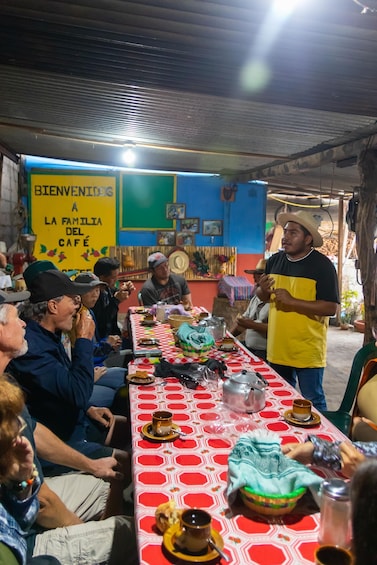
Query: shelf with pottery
{"points": [[186, 261]]}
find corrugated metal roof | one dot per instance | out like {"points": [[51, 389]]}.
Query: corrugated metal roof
{"points": [[80, 78]]}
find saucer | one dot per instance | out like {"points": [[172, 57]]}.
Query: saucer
{"points": [[148, 323], [141, 311], [135, 380], [148, 341], [169, 544], [148, 433], [313, 421]]}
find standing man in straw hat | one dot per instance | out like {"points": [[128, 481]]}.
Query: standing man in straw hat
{"points": [[255, 318], [301, 285]]}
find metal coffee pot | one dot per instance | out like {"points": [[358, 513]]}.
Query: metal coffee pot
{"points": [[215, 325], [245, 392]]}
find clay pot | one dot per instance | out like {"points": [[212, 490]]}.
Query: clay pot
{"points": [[359, 326]]}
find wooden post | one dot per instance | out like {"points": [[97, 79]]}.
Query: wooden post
{"points": [[365, 236], [340, 251]]}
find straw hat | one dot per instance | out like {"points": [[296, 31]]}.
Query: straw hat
{"points": [[305, 219], [178, 261], [259, 268]]}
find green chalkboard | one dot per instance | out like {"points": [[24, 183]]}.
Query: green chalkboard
{"points": [[143, 199]]}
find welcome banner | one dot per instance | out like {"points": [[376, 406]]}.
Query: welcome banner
{"points": [[73, 215]]}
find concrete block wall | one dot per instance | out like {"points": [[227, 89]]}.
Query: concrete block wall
{"points": [[8, 201]]}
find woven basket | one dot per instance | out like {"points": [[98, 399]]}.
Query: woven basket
{"points": [[271, 504], [190, 351], [175, 320]]}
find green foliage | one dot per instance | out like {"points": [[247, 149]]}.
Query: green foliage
{"points": [[349, 306]]}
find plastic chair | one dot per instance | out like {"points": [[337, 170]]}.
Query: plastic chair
{"points": [[342, 417]]}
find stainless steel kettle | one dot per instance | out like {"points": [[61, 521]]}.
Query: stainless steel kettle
{"points": [[245, 392]]}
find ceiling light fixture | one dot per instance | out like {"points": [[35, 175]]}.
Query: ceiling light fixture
{"points": [[129, 154]]}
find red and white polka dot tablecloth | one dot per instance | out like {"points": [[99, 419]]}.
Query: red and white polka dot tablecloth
{"points": [[193, 470]]}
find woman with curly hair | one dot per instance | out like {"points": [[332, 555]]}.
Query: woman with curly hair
{"points": [[19, 480]]}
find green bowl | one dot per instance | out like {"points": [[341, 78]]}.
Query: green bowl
{"points": [[271, 504]]}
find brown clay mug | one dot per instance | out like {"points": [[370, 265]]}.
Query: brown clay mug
{"points": [[227, 343], [195, 531], [301, 409], [333, 555], [162, 421]]}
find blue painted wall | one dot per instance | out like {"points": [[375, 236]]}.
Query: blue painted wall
{"points": [[244, 219]]}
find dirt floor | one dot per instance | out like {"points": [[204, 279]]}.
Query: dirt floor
{"points": [[341, 348]]}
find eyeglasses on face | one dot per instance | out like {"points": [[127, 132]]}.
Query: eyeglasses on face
{"points": [[76, 299]]}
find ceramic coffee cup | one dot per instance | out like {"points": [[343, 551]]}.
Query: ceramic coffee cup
{"points": [[162, 422], [333, 555], [227, 343], [301, 409], [195, 531], [203, 315]]}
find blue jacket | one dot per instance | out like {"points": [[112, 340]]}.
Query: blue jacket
{"points": [[57, 389], [101, 348], [106, 313]]}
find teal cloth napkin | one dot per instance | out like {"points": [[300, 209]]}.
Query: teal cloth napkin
{"points": [[257, 461], [196, 336]]}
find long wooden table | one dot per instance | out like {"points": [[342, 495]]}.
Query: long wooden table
{"points": [[193, 470]]}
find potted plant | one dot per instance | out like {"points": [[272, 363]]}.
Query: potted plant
{"points": [[359, 324], [349, 307]]}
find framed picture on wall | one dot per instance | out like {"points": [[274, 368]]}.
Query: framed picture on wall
{"points": [[166, 237], [185, 238], [190, 224], [175, 211], [212, 227]]}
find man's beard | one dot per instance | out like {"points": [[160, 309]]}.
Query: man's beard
{"points": [[23, 349]]}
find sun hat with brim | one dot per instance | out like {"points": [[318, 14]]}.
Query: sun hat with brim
{"points": [[10, 297], [156, 259], [91, 279], [179, 261], [306, 220], [53, 283], [259, 268]]}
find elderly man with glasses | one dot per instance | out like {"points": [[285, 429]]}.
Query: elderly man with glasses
{"points": [[58, 389]]}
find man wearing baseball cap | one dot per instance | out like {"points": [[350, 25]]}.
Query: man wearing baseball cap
{"points": [[164, 286], [255, 318], [301, 285], [58, 389]]}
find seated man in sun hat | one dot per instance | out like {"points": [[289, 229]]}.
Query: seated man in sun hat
{"points": [[107, 380], [163, 286]]}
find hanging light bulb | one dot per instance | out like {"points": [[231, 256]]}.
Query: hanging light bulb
{"points": [[129, 155]]}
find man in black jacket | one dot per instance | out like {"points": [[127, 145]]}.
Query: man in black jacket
{"points": [[106, 307]]}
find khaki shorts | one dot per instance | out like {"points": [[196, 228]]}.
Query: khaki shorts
{"points": [[84, 495]]}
